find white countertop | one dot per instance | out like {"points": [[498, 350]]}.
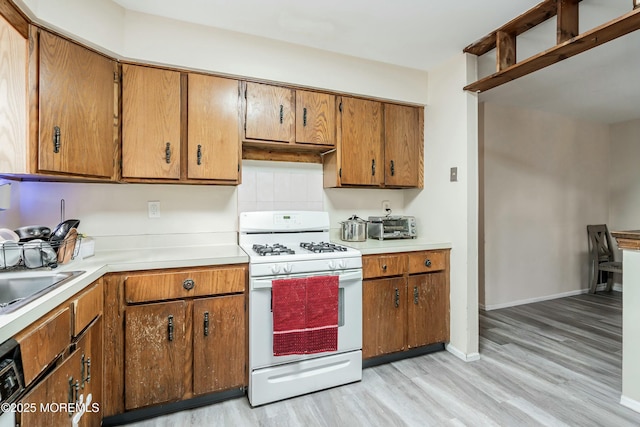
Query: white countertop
{"points": [[374, 246], [117, 261]]}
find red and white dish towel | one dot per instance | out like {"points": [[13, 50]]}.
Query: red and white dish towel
{"points": [[305, 315]]}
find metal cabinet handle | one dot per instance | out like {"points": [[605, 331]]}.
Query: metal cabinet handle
{"points": [[56, 139], [393, 168], [170, 328], [384, 267], [281, 113], [304, 116], [416, 295], [206, 323], [71, 391], [188, 284], [83, 370], [199, 155], [397, 300], [427, 263], [373, 167], [167, 153]]}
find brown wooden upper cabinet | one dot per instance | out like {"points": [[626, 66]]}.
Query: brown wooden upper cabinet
{"points": [[76, 109], [402, 146], [213, 128], [284, 115], [150, 122], [379, 145]]}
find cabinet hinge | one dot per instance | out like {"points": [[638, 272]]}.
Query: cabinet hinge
{"points": [[340, 172], [340, 107], [245, 93], [115, 77], [238, 167]]}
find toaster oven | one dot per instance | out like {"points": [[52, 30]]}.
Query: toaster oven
{"points": [[392, 227]]}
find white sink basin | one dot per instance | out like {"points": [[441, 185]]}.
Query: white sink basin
{"points": [[21, 287]]}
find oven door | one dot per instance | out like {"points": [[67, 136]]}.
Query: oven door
{"points": [[261, 318]]}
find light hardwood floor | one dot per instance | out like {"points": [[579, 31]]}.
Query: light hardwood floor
{"points": [[554, 363]]}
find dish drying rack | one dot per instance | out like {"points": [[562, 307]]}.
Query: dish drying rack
{"points": [[42, 254]]}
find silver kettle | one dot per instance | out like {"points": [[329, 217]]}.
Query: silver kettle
{"points": [[354, 230]]}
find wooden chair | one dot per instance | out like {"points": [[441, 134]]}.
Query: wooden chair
{"points": [[601, 256]]}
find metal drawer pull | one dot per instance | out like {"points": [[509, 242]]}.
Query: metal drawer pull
{"points": [[384, 267], [281, 113], [397, 298], [427, 263], [393, 168], [56, 139], [373, 167], [416, 296], [206, 323], [188, 284], [170, 328], [304, 116], [199, 155], [84, 370], [167, 152]]}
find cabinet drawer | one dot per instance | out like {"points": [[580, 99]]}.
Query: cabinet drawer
{"points": [[87, 307], [426, 261], [193, 283], [41, 343], [383, 265]]}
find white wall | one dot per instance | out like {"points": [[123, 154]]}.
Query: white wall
{"points": [[545, 179], [10, 218], [624, 182], [448, 211]]}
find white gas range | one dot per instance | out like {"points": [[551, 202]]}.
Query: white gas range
{"points": [[290, 245]]}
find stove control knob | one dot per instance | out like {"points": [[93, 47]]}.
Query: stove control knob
{"points": [[275, 269], [332, 265], [342, 264], [288, 268]]}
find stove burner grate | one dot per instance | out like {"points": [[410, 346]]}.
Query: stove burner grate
{"points": [[322, 247], [272, 250]]}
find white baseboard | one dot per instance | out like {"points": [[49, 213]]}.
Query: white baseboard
{"points": [[471, 357], [601, 287], [630, 403], [532, 300]]}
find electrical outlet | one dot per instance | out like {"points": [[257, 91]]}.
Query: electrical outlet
{"points": [[154, 209], [386, 205]]}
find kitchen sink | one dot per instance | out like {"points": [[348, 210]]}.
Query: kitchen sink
{"points": [[21, 287]]}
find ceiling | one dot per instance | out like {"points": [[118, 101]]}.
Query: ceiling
{"points": [[596, 85]]}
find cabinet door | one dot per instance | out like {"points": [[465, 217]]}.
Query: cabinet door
{"points": [[402, 146], [13, 108], [155, 343], [428, 310], [213, 134], [76, 104], [270, 114], [90, 374], [383, 316], [219, 345], [315, 118], [361, 146], [55, 389], [150, 122]]}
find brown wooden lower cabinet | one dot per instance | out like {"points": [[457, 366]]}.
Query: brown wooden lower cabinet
{"points": [[219, 342], [55, 400], [384, 317], [409, 309], [173, 335], [155, 341]]}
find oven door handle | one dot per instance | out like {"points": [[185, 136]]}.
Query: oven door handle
{"points": [[344, 276]]}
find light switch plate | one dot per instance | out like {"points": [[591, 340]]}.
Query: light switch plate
{"points": [[454, 175]]}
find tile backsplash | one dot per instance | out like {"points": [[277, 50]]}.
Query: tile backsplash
{"points": [[280, 186]]}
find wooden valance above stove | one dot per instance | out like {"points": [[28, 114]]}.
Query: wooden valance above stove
{"points": [[569, 42]]}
